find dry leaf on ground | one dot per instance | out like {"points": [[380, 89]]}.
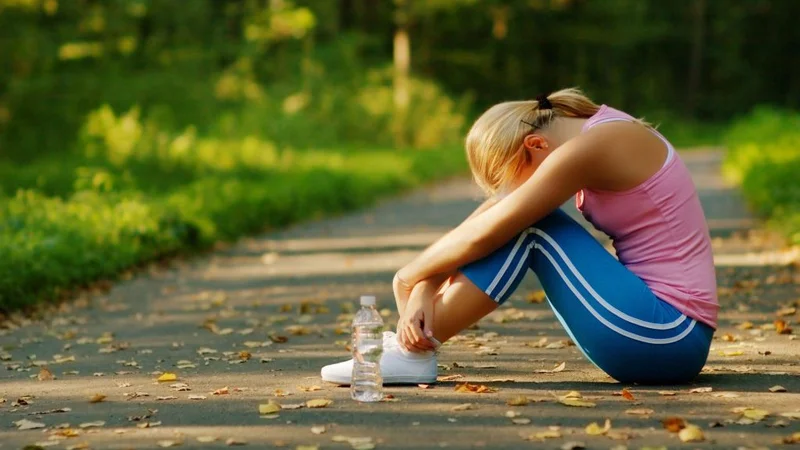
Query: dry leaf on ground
{"points": [[319, 429], [45, 374], [449, 377], [519, 400], [791, 439], [593, 429], [26, 424], [782, 327], [701, 390], [234, 441], [692, 433], [673, 424], [95, 424], [196, 397], [169, 443], [535, 296], [476, 388], [639, 411], [207, 439], [318, 403], [777, 388], [556, 369], [97, 398], [269, 408], [167, 376], [542, 435], [463, 407], [574, 398], [626, 394], [221, 391]]}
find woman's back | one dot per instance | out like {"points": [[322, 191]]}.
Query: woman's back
{"points": [[659, 231]]}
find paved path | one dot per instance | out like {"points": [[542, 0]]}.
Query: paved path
{"points": [[219, 321]]}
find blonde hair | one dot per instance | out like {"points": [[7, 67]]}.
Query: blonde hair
{"points": [[494, 143]]}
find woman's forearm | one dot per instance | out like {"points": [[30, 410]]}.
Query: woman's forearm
{"points": [[429, 285]]}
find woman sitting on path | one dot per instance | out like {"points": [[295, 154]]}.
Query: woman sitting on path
{"points": [[647, 317]]}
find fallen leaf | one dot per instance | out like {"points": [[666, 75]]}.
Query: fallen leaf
{"points": [[309, 388], [45, 374], [463, 407], [196, 397], [573, 446], [673, 424], [97, 398], [574, 398], [269, 408], [542, 435], [593, 429], [626, 394], [521, 421], [424, 386], [782, 327], [792, 439], [167, 376], [169, 443], [692, 433], [166, 397], [777, 388], [751, 413], [292, 405], [50, 411], [556, 345], [556, 369], [318, 403], [318, 429], [639, 412], [791, 415], [26, 424], [511, 414], [727, 337], [535, 296], [731, 353], [519, 400], [307, 447], [667, 393], [745, 325], [701, 390], [725, 394], [278, 339], [475, 388], [95, 424], [234, 441], [207, 439], [620, 435], [786, 311], [221, 391]]}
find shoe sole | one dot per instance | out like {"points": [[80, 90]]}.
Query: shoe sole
{"points": [[386, 381]]}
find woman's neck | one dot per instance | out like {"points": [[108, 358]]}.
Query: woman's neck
{"points": [[563, 129]]}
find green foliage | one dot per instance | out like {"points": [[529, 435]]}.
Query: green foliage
{"points": [[138, 192], [764, 157]]}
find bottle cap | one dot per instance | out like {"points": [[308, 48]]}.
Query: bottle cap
{"points": [[367, 300]]}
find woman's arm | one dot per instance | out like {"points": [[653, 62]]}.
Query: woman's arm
{"points": [[561, 175]]}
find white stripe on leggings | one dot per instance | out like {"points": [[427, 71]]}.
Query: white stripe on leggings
{"points": [[605, 322], [606, 305], [503, 269]]}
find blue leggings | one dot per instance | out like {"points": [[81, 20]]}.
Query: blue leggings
{"points": [[610, 313]]}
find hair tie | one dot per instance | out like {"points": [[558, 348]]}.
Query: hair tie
{"points": [[543, 102]]}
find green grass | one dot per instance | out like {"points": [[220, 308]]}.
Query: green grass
{"points": [[123, 198], [764, 158]]}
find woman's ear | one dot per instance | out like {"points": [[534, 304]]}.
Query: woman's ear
{"points": [[534, 142]]}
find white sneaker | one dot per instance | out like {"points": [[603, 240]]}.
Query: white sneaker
{"points": [[398, 365]]}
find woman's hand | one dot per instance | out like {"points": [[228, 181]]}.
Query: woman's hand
{"points": [[416, 322]]}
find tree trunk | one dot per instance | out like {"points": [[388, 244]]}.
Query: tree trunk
{"points": [[402, 63], [696, 61]]}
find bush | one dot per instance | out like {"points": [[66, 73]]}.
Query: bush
{"points": [[764, 158], [133, 191]]}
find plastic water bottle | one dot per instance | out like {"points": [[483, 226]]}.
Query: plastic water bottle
{"points": [[367, 383]]}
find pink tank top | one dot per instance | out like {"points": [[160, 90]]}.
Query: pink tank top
{"points": [[659, 231]]}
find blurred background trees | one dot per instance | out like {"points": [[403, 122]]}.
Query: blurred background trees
{"points": [[378, 72]]}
